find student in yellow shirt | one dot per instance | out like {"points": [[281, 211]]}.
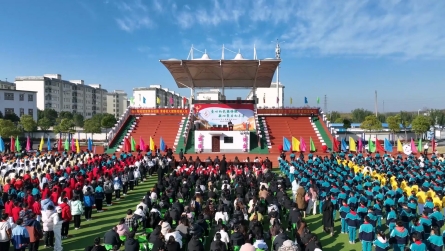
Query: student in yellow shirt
{"points": [[421, 199]]}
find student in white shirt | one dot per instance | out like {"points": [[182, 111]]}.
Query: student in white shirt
{"points": [[224, 235]]}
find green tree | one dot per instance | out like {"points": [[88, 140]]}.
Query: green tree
{"points": [[421, 124], [28, 123], [393, 124], [406, 118], [334, 115], [381, 117], [371, 123], [50, 114], [64, 115], [44, 124], [359, 115], [338, 120], [8, 128], [12, 117], [108, 121], [92, 126], [78, 119], [346, 124], [65, 126]]}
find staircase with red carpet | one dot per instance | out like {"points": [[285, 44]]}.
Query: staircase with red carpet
{"points": [[279, 127], [165, 126]]}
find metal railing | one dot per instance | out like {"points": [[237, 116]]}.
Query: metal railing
{"points": [[113, 132]]}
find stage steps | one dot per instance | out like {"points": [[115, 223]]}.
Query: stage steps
{"points": [[324, 134], [121, 136], [190, 145], [179, 140], [255, 147]]}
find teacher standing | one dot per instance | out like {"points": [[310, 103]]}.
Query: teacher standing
{"points": [[328, 216]]}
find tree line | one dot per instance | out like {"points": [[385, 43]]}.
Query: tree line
{"points": [[418, 123], [61, 122]]}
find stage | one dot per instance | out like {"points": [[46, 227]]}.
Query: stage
{"points": [[222, 141]]}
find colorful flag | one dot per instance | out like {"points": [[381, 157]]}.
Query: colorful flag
{"points": [[132, 100], [41, 144], [335, 144], [352, 145], [302, 145], [133, 144], [433, 145], [2, 145], [378, 146], [28, 144], [171, 100], [152, 144], [77, 146], [162, 144], [291, 100], [59, 145], [141, 144], [305, 100], [158, 100], [399, 146], [344, 146], [318, 102], [295, 145], [73, 145], [66, 145], [90, 144], [360, 144], [144, 100], [312, 145], [127, 145], [419, 145], [12, 145], [286, 144], [18, 147], [371, 145], [48, 144], [413, 146], [278, 100], [387, 145]]}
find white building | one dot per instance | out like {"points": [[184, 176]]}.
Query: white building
{"points": [[7, 85], [117, 102], [149, 97], [267, 97], [212, 94], [65, 95], [17, 101]]}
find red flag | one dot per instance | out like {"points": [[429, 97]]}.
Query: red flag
{"points": [[433, 145], [127, 145], [379, 148], [59, 145], [335, 145], [12, 147]]}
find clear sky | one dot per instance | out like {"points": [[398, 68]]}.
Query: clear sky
{"points": [[343, 49]]}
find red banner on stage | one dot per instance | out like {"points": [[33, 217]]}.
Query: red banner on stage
{"points": [[288, 111]]}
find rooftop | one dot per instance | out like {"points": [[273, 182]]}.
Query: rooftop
{"points": [[208, 73]]}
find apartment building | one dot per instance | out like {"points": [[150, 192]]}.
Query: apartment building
{"points": [[65, 95], [156, 96], [17, 101], [117, 102]]}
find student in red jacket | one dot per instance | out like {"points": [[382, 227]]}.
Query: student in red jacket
{"points": [[37, 209], [16, 211]]}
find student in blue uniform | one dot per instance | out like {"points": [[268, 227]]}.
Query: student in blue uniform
{"points": [[435, 241], [344, 210], [353, 222], [366, 234], [417, 228], [381, 243], [399, 236], [426, 223], [417, 244], [436, 218], [391, 219]]}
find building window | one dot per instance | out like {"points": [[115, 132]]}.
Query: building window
{"points": [[9, 111], [9, 96], [31, 112], [228, 140], [22, 112], [21, 97], [30, 97]]}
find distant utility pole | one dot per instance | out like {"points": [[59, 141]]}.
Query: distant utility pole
{"points": [[325, 104], [383, 106], [375, 102]]}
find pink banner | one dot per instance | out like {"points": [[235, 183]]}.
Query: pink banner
{"points": [[413, 146], [302, 145]]}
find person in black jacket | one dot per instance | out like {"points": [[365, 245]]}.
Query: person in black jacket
{"points": [[279, 239], [218, 245], [112, 238], [237, 238], [172, 244], [294, 217], [96, 246], [195, 244], [130, 243]]}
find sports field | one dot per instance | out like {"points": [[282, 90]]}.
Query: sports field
{"points": [[102, 222]]}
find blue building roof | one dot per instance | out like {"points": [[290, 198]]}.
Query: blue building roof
{"points": [[357, 125]]}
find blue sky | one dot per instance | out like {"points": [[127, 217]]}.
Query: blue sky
{"points": [[343, 49]]}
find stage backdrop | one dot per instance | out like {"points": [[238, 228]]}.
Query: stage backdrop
{"points": [[214, 115]]}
